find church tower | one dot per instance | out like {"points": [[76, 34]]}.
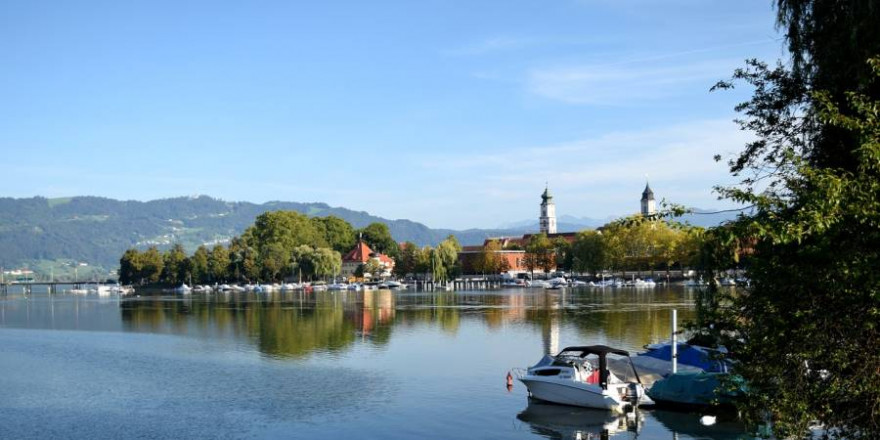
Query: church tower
{"points": [[548, 213], [648, 206]]}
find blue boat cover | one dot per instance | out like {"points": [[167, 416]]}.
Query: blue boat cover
{"points": [[690, 355]]}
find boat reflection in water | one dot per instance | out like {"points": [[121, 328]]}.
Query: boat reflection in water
{"points": [[571, 422]]}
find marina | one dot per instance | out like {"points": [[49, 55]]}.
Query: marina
{"points": [[366, 364]]}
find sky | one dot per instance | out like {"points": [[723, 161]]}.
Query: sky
{"points": [[451, 113]]}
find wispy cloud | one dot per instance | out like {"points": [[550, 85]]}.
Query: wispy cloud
{"points": [[605, 171], [625, 83]]}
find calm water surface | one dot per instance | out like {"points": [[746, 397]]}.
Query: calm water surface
{"points": [[380, 364]]}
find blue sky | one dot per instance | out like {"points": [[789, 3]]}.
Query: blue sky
{"points": [[451, 113]]}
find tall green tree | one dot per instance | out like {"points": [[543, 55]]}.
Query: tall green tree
{"points": [[407, 260], [338, 234], [288, 229], [130, 267], [447, 257], [199, 266], [805, 328], [326, 262], [152, 265], [175, 269], [274, 262], [541, 253], [814, 306], [488, 261], [378, 237], [218, 263], [588, 252]]}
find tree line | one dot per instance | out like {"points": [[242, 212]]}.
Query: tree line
{"points": [[632, 243], [279, 244], [439, 263]]}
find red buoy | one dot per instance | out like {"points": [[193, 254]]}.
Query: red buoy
{"points": [[509, 380]]}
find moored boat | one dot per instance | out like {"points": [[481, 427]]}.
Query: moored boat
{"points": [[580, 376]]}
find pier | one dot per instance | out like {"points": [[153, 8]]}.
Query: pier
{"points": [[51, 286]]}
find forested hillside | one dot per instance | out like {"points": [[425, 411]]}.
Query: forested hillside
{"points": [[98, 230]]}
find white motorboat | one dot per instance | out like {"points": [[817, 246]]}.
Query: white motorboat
{"points": [[647, 283], [557, 283], [183, 289], [581, 376]]}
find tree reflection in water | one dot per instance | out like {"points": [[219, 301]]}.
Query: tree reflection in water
{"points": [[297, 324]]}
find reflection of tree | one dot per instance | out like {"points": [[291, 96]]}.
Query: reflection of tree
{"points": [[295, 324]]}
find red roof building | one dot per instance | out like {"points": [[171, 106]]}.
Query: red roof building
{"points": [[360, 255]]}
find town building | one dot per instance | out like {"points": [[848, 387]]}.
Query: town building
{"points": [[360, 255], [648, 205], [548, 213], [511, 254]]}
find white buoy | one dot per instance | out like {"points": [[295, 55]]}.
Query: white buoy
{"points": [[707, 420]]}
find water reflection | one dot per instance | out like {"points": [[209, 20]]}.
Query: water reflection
{"points": [[568, 422], [296, 324]]}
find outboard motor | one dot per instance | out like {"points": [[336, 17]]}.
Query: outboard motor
{"points": [[634, 393]]}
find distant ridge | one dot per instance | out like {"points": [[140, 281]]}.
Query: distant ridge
{"points": [[98, 230], [699, 217]]}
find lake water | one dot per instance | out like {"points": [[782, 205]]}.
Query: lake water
{"points": [[376, 364]]}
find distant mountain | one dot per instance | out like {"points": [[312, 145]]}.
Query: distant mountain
{"points": [[563, 223], [569, 223], [98, 230], [708, 218]]}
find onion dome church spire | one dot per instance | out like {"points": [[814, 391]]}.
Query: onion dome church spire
{"points": [[548, 212], [648, 205]]}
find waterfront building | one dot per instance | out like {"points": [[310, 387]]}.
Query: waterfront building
{"points": [[548, 213], [512, 249], [648, 205], [360, 255]]}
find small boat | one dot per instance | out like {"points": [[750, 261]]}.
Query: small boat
{"points": [[647, 283], [183, 289], [510, 282], [557, 283], [692, 390], [656, 362], [581, 376]]}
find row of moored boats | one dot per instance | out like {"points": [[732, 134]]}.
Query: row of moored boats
{"points": [[287, 287]]}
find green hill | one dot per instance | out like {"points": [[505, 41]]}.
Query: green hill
{"points": [[98, 230]]}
